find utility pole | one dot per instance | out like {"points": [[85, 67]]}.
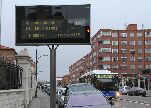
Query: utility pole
{"points": [[37, 69]]}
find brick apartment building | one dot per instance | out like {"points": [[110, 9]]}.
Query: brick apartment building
{"points": [[126, 52], [7, 53]]}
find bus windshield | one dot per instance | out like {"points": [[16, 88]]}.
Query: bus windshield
{"points": [[108, 86]]}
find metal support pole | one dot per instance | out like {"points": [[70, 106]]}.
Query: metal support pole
{"points": [[148, 85], [36, 75], [144, 84], [139, 80], [53, 76]]}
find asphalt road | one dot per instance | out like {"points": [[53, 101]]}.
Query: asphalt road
{"points": [[133, 102], [43, 101]]}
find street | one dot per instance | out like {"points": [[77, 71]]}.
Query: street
{"points": [[126, 101]]}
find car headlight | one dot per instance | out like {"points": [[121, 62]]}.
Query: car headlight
{"points": [[117, 94]]}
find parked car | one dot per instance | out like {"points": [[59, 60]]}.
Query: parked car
{"points": [[60, 96], [80, 87], [136, 91], [124, 90], [47, 88], [87, 99]]}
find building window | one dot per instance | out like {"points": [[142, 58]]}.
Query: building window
{"points": [[114, 58], [148, 66], [147, 50], [123, 34], [114, 50], [123, 67], [123, 51], [93, 46], [124, 59], [132, 59], [90, 56], [148, 58], [139, 42], [139, 34], [132, 42], [105, 50], [114, 42], [148, 42], [140, 59], [94, 54], [132, 66], [131, 34], [140, 51], [106, 33], [147, 34], [114, 34], [104, 59], [132, 51], [114, 66], [104, 66], [140, 66], [104, 42], [123, 42], [94, 60]]}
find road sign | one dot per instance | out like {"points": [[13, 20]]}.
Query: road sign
{"points": [[45, 25]]}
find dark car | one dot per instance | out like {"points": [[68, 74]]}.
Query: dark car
{"points": [[136, 91]]}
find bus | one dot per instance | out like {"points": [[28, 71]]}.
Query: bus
{"points": [[103, 80]]}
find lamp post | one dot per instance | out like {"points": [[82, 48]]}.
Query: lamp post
{"points": [[37, 58]]}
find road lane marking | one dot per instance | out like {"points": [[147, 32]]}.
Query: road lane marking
{"points": [[142, 103]]}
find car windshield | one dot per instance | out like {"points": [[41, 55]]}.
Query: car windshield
{"points": [[77, 88], [127, 88]]}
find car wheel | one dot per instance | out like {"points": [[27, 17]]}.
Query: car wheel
{"points": [[143, 95], [60, 106]]}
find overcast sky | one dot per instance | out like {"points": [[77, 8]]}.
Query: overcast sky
{"points": [[104, 14]]}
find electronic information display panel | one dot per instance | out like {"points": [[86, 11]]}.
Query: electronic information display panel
{"points": [[55, 24]]}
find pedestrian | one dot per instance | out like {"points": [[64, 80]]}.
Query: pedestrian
{"points": [[42, 87]]}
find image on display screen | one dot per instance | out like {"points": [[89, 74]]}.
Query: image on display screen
{"points": [[55, 24]]}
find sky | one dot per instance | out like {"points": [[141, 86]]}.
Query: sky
{"points": [[105, 14]]}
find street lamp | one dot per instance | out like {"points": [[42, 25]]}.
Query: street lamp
{"points": [[37, 58]]}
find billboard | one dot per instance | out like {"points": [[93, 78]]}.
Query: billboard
{"points": [[53, 24]]}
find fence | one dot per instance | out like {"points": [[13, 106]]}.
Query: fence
{"points": [[10, 75]]}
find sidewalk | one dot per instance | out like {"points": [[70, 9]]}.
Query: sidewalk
{"points": [[43, 101]]}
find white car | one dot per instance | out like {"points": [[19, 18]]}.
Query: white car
{"points": [[124, 89], [60, 96]]}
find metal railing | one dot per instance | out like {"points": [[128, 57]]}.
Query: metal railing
{"points": [[10, 75]]}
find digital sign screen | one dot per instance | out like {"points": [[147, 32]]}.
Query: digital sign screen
{"points": [[55, 24], [105, 76]]}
